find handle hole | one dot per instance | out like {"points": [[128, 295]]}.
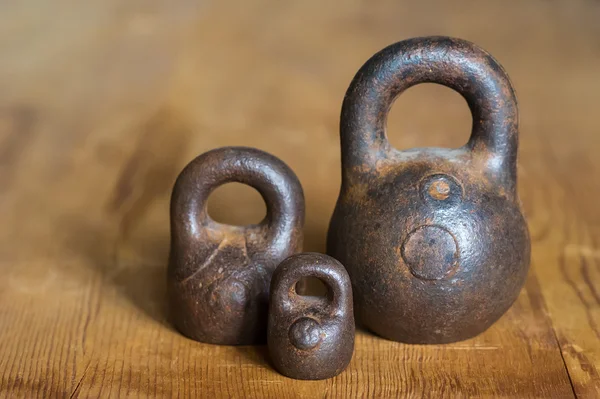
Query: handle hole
{"points": [[236, 204], [311, 287], [429, 115]]}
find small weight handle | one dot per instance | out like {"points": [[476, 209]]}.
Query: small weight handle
{"points": [[309, 264], [454, 63], [272, 178]]}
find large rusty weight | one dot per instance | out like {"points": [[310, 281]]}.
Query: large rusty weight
{"points": [[434, 239], [219, 275], [311, 338]]}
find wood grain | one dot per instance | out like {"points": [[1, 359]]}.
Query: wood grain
{"points": [[103, 102]]}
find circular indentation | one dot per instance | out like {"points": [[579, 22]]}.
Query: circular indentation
{"points": [[231, 295], [441, 190], [305, 333], [430, 252]]}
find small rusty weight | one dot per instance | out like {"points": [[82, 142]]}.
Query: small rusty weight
{"points": [[434, 239], [219, 275], [311, 338]]}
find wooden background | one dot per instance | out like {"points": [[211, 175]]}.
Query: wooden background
{"points": [[103, 102]]}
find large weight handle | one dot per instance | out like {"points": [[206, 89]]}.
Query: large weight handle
{"points": [[271, 177], [454, 63], [309, 264]]}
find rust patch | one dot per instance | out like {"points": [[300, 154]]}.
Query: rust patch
{"points": [[439, 190]]}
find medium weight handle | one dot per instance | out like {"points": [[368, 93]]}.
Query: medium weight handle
{"points": [[454, 63], [273, 179], [325, 268]]}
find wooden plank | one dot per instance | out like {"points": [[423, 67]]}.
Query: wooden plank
{"points": [[103, 103]]}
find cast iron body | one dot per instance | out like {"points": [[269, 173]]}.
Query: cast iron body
{"points": [[433, 239], [219, 275], [311, 338]]}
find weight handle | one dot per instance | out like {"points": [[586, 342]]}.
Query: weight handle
{"points": [[308, 264], [272, 178], [454, 63]]}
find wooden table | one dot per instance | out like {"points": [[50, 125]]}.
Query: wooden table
{"points": [[103, 102]]}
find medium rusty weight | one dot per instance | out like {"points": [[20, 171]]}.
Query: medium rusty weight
{"points": [[434, 239], [311, 338], [219, 275]]}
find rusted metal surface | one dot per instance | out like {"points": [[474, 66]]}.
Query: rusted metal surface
{"points": [[219, 275], [434, 239], [311, 338]]}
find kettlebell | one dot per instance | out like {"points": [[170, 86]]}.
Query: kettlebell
{"points": [[310, 338], [218, 274], [434, 239]]}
